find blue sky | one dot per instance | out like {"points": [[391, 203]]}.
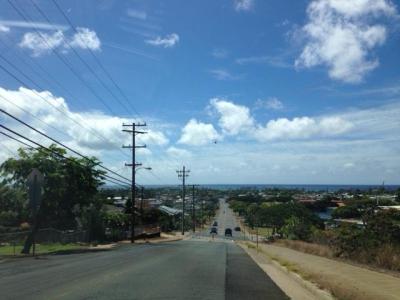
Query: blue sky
{"points": [[290, 91]]}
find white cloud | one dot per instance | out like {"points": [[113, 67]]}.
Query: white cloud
{"points": [[85, 38], [178, 152], [233, 118], [107, 132], [137, 14], [271, 103], [41, 42], [243, 5], [302, 128], [169, 41], [197, 133], [222, 74], [4, 28], [35, 25], [341, 36]]}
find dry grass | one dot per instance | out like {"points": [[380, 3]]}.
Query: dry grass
{"points": [[316, 249], [385, 257], [340, 290], [388, 257]]}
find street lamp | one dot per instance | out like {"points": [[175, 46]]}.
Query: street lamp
{"points": [[143, 168]]}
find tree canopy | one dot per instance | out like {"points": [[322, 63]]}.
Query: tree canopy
{"points": [[70, 184]]}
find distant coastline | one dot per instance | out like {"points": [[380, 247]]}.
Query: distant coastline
{"points": [[305, 187]]}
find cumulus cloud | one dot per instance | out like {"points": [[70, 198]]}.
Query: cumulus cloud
{"points": [[196, 133], [178, 152], [169, 41], [271, 103], [233, 118], [85, 38], [41, 42], [105, 133], [302, 128], [243, 5], [341, 35]]}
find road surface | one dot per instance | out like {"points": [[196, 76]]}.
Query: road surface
{"points": [[190, 269]]}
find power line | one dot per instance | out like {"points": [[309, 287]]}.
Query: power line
{"points": [[64, 61], [29, 146], [51, 78], [59, 143], [51, 104], [33, 116], [98, 61], [80, 57], [50, 150], [15, 139]]}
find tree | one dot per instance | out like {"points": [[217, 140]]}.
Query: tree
{"points": [[348, 211], [70, 184], [295, 229], [13, 205], [276, 216]]}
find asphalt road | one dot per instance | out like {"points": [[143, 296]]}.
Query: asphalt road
{"points": [[191, 269], [225, 219]]}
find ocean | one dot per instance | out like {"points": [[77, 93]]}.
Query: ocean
{"points": [[305, 187]]}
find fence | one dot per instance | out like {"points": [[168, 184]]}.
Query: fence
{"points": [[46, 235]]}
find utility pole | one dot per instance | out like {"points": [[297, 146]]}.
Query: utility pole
{"points": [[193, 209], [133, 165], [183, 174]]}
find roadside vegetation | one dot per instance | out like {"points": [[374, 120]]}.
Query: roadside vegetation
{"points": [[77, 206], [373, 240]]}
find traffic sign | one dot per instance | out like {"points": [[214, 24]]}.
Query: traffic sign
{"points": [[35, 182]]}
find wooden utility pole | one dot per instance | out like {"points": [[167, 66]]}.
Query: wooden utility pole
{"points": [[183, 174], [133, 165], [193, 209]]}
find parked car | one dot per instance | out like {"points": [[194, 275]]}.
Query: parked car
{"points": [[228, 232], [213, 230], [237, 228], [215, 223]]}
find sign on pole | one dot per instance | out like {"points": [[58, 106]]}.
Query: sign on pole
{"points": [[35, 183]]}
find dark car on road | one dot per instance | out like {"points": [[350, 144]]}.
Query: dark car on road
{"points": [[228, 232], [237, 228], [213, 230], [215, 223]]}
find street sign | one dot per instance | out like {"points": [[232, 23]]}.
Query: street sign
{"points": [[35, 181]]}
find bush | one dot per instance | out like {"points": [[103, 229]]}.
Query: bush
{"points": [[8, 218]]}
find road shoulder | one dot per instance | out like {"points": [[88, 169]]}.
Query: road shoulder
{"points": [[291, 283]]}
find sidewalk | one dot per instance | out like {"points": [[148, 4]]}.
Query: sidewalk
{"points": [[343, 280]]}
